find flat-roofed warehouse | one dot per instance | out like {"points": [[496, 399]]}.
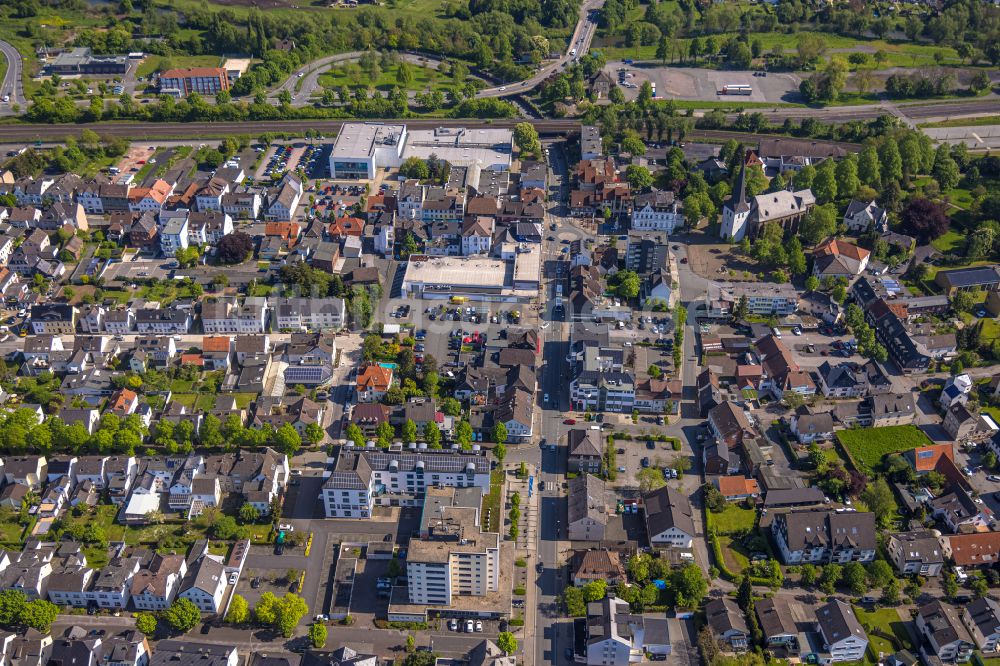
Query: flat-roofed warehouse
{"points": [[456, 275], [361, 148], [81, 60], [488, 148], [512, 278]]}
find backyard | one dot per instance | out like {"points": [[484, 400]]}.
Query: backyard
{"points": [[867, 447], [885, 621], [733, 520]]}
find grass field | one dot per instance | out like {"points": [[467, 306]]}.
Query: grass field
{"points": [[964, 122], [898, 54], [735, 561], [493, 502], [158, 63], [424, 78], [951, 241], [889, 621], [733, 519], [869, 445]]}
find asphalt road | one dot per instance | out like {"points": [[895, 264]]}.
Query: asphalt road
{"points": [[11, 84], [583, 33]]}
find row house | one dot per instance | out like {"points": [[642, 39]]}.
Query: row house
{"points": [[242, 203], [225, 315], [825, 536], [162, 322]]}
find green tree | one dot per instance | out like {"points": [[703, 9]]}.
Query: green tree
{"points": [[409, 431], [848, 181], [627, 284], [855, 578], [239, 610], [314, 433], [414, 167], [808, 575], [249, 513], [638, 177], [689, 586], [949, 585], [812, 283], [880, 573], [877, 496], [289, 609], [744, 593], [526, 138], [595, 590], [39, 614], [354, 434], [500, 433], [507, 642], [500, 452], [819, 223], [463, 434], [266, 610], [869, 167], [945, 170], [182, 615], [287, 439], [384, 434], [317, 635], [573, 600], [830, 577], [890, 162], [890, 593], [825, 184], [432, 435], [146, 623]]}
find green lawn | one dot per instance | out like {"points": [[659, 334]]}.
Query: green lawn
{"points": [[243, 400], [181, 386], [423, 78], [868, 445], [964, 122], [951, 241], [733, 519], [991, 330], [735, 560], [186, 399], [899, 54], [493, 502], [889, 621], [11, 531], [156, 63]]}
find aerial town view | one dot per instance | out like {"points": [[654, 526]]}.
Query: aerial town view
{"points": [[478, 333]]}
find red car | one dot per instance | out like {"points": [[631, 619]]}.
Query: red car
{"points": [[570, 422]]}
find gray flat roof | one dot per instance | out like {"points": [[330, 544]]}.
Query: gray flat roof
{"points": [[361, 139]]}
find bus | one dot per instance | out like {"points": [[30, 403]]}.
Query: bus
{"points": [[736, 89]]}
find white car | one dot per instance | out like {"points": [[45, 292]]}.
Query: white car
{"points": [[453, 625], [469, 627], [479, 625], [502, 88], [286, 527]]}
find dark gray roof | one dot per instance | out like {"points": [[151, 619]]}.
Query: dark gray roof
{"points": [[189, 653], [587, 499], [666, 508], [837, 621], [724, 615], [775, 616]]}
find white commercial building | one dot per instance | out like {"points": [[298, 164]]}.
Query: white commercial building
{"points": [[362, 148]]}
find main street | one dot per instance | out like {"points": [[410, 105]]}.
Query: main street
{"points": [[583, 34], [11, 86]]}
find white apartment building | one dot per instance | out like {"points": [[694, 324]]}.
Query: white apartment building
{"points": [[174, 236], [656, 211], [227, 316], [362, 479], [456, 559], [303, 314]]}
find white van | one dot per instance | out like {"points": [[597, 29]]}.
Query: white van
{"points": [[776, 332]]}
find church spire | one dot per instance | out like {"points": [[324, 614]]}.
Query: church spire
{"points": [[741, 186]]}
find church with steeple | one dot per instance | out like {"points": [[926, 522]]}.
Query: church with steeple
{"points": [[745, 217]]}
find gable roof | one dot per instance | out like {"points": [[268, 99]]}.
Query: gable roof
{"points": [[731, 486], [666, 508]]}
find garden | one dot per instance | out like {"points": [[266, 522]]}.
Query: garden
{"points": [[866, 447]]}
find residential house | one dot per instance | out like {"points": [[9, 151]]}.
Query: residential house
{"points": [[727, 623], [982, 619], [940, 624], [372, 382], [736, 488], [808, 427], [825, 536], [863, 216], [844, 639], [205, 584], [587, 510], [837, 258], [669, 520], [584, 450], [918, 552], [591, 565]]}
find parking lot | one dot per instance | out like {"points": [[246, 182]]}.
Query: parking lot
{"points": [[705, 84]]}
